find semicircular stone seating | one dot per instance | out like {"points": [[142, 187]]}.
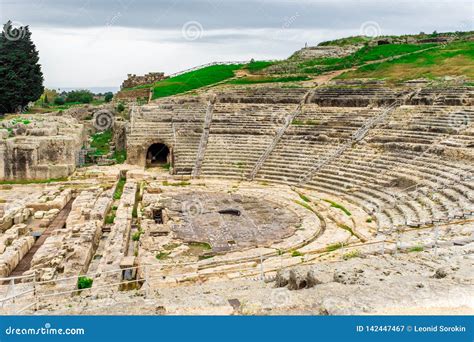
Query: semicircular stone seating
{"points": [[414, 168]]}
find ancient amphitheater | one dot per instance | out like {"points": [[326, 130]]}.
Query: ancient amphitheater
{"points": [[327, 198]]}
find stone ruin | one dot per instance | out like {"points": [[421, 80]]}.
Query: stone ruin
{"points": [[150, 78], [39, 147]]}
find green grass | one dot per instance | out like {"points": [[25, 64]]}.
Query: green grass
{"points": [[119, 189], [305, 205], [297, 122], [304, 198], [345, 41], [257, 66], [261, 79], [368, 220], [101, 142], [203, 245], [109, 219], [346, 227], [162, 255], [166, 166], [84, 282], [352, 254], [333, 247], [296, 254], [455, 59], [338, 206], [34, 181], [415, 249], [136, 236], [120, 156], [193, 80], [366, 54]]}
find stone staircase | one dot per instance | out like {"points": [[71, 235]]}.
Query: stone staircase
{"points": [[287, 121], [204, 138]]}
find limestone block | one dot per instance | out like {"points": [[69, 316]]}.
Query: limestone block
{"points": [[39, 215]]}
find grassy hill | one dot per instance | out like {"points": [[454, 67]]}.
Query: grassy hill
{"points": [[454, 59], [423, 57]]}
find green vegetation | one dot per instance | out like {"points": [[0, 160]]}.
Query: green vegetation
{"points": [[304, 198], [119, 189], [80, 96], [368, 220], [304, 122], [333, 247], [20, 74], [352, 254], [265, 79], [84, 283], [362, 56], [33, 181], [120, 107], [136, 235], [108, 96], [193, 80], [59, 101], [181, 183], [345, 41], [415, 249], [109, 219], [162, 255], [346, 227], [170, 246], [338, 206], [454, 59], [296, 254], [255, 66], [166, 166], [203, 245], [305, 205], [101, 142], [120, 156]]}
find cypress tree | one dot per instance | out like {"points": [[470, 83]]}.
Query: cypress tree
{"points": [[21, 79]]}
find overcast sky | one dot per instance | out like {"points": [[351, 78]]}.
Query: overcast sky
{"points": [[93, 43]]}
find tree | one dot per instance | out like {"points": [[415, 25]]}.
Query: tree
{"points": [[59, 101], [20, 73], [82, 96], [108, 97]]}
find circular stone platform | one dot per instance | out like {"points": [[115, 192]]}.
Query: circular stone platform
{"points": [[229, 222]]}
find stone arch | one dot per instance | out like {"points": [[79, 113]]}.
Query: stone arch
{"points": [[158, 154]]}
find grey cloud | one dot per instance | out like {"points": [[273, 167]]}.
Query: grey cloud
{"points": [[215, 14]]}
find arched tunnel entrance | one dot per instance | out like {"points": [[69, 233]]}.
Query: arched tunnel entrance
{"points": [[157, 154]]}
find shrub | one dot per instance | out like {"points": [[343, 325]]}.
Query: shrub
{"points": [[296, 254], [162, 255], [110, 219], [84, 282], [108, 97], [136, 236], [59, 101], [120, 107], [82, 96]]}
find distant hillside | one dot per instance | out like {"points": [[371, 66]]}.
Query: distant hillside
{"points": [[391, 58]]}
